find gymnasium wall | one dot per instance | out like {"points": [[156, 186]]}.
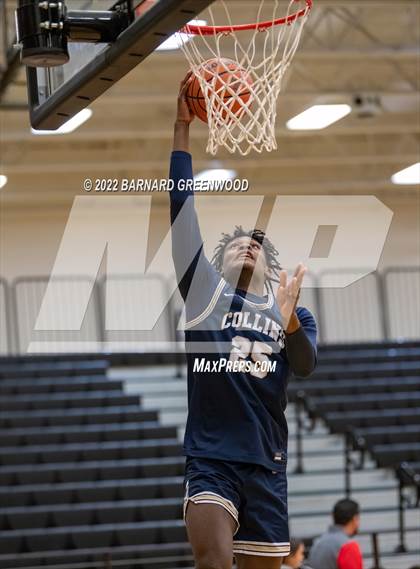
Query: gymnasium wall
{"points": [[29, 238]]}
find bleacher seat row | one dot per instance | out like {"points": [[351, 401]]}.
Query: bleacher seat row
{"points": [[373, 398], [83, 467], [85, 470]]}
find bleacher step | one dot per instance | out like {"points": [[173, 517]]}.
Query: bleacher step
{"points": [[402, 561], [320, 479], [304, 525], [389, 541], [369, 499]]}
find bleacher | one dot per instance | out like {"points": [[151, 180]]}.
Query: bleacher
{"points": [[91, 466], [373, 396], [370, 394], [323, 481], [84, 470]]}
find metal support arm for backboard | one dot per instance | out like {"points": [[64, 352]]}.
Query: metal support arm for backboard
{"points": [[45, 28], [131, 47]]}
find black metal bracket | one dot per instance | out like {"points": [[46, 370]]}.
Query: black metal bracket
{"points": [[299, 436], [45, 27], [134, 44], [301, 426], [402, 502], [375, 551], [349, 463]]}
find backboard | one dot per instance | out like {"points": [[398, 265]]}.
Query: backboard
{"points": [[58, 93]]}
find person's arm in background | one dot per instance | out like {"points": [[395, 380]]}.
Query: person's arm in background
{"points": [[187, 243], [350, 556]]}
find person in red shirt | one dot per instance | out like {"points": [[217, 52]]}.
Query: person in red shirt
{"points": [[336, 548]]}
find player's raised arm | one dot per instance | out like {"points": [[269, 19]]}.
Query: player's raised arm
{"points": [[187, 243], [184, 118]]}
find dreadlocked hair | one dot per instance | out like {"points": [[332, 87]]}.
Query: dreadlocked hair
{"points": [[270, 251]]}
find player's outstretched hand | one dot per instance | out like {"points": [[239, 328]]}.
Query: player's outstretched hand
{"points": [[184, 113], [288, 293]]}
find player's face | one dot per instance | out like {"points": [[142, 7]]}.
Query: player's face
{"points": [[244, 254], [356, 524]]}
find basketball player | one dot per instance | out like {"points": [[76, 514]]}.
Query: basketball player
{"points": [[236, 434]]}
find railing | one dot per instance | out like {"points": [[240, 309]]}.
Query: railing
{"points": [[353, 313], [379, 307], [132, 300], [401, 288], [28, 294], [352, 464], [6, 332]]}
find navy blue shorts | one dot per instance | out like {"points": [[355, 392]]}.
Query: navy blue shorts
{"points": [[253, 495]]}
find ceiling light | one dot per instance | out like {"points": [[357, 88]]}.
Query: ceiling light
{"points": [[318, 117], [3, 180], [69, 126], [216, 174], [177, 40], [410, 175]]}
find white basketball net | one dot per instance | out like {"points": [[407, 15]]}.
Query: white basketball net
{"points": [[265, 56]]}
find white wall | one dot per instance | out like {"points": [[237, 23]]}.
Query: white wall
{"points": [[29, 240]]}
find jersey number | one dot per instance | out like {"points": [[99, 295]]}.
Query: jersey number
{"points": [[257, 351]]}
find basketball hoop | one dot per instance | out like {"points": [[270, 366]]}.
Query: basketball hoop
{"points": [[263, 51]]}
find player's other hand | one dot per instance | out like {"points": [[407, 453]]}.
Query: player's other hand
{"points": [[184, 113], [288, 292]]}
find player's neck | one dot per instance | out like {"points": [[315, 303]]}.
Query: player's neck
{"points": [[249, 285]]}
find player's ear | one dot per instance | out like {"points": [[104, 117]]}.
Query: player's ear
{"points": [[268, 272]]}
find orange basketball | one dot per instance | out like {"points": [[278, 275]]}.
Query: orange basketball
{"points": [[228, 80]]}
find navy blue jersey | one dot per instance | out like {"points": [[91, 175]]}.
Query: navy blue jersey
{"points": [[237, 362]]}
